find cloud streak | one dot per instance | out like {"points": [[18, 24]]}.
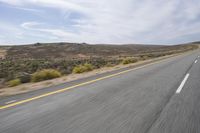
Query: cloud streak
{"points": [[114, 21], [35, 26]]}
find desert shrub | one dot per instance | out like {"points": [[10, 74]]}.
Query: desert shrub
{"points": [[78, 69], [143, 57], [45, 75], [88, 67], [14, 82], [155, 55], [129, 60], [150, 55], [109, 64], [10, 68], [24, 77], [83, 68]]}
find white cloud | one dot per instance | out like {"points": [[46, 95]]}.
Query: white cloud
{"points": [[35, 26], [119, 21], [12, 2], [28, 9], [60, 4]]}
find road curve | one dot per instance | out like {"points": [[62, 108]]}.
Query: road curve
{"points": [[159, 98]]}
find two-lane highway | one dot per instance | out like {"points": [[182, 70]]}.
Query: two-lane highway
{"points": [[159, 98]]}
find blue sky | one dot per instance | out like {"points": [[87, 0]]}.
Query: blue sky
{"points": [[99, 21]]}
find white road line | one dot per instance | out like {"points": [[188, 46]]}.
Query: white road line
{"points": [[10, 101], [182, 83], [195, 61]]}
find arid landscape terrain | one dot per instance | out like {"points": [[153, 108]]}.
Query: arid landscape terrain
{"points": [[19, 63], [99, 66], [83, 50]]}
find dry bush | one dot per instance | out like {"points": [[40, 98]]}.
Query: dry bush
{"points": [[83, 68], [14, 82], [45, 75], [129, 60]]}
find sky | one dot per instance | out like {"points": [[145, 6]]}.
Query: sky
{"points": [[99, 21]]}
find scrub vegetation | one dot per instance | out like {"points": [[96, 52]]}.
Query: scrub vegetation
{"points": [[45, 75], [38, 62], [14, 82], [129, 60], [83, 68]]}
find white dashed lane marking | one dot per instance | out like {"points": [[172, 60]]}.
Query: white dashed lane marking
{"points": [[182, 83]]}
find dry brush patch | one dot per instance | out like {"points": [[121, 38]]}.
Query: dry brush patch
{"points": [[71, 77], [45, 74], [25, 68]]}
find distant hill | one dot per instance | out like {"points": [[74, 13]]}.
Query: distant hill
{"points": [[81, 50], [20, 62]]}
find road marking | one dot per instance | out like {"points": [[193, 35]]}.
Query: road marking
{"points": [[10, 101], [182, 83], [195, 61], [78, 85]]}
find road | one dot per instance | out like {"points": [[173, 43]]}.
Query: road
{"points": [[158, 98]]}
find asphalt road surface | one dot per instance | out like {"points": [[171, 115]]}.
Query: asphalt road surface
{"points": [[159, 98]]}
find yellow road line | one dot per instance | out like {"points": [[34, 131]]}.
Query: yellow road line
{"points": [[71, 87]]}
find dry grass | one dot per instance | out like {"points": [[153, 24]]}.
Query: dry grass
{"points": [[45, 74], [14, 82]]}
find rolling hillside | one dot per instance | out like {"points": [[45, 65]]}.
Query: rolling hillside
{"points": [[24, 60], [72, 50]]}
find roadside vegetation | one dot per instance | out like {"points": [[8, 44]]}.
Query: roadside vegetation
{"points": [[45, 75], [83, 68], [36, 70], [14, 82], [129, 60], [16, 71]]}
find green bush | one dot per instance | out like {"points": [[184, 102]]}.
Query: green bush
{"points": [[129, 60], [83, 68], [14, 82], [45, 75]]}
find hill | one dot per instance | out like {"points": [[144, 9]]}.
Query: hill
{"points": [[75, 50], [19, 62]]}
